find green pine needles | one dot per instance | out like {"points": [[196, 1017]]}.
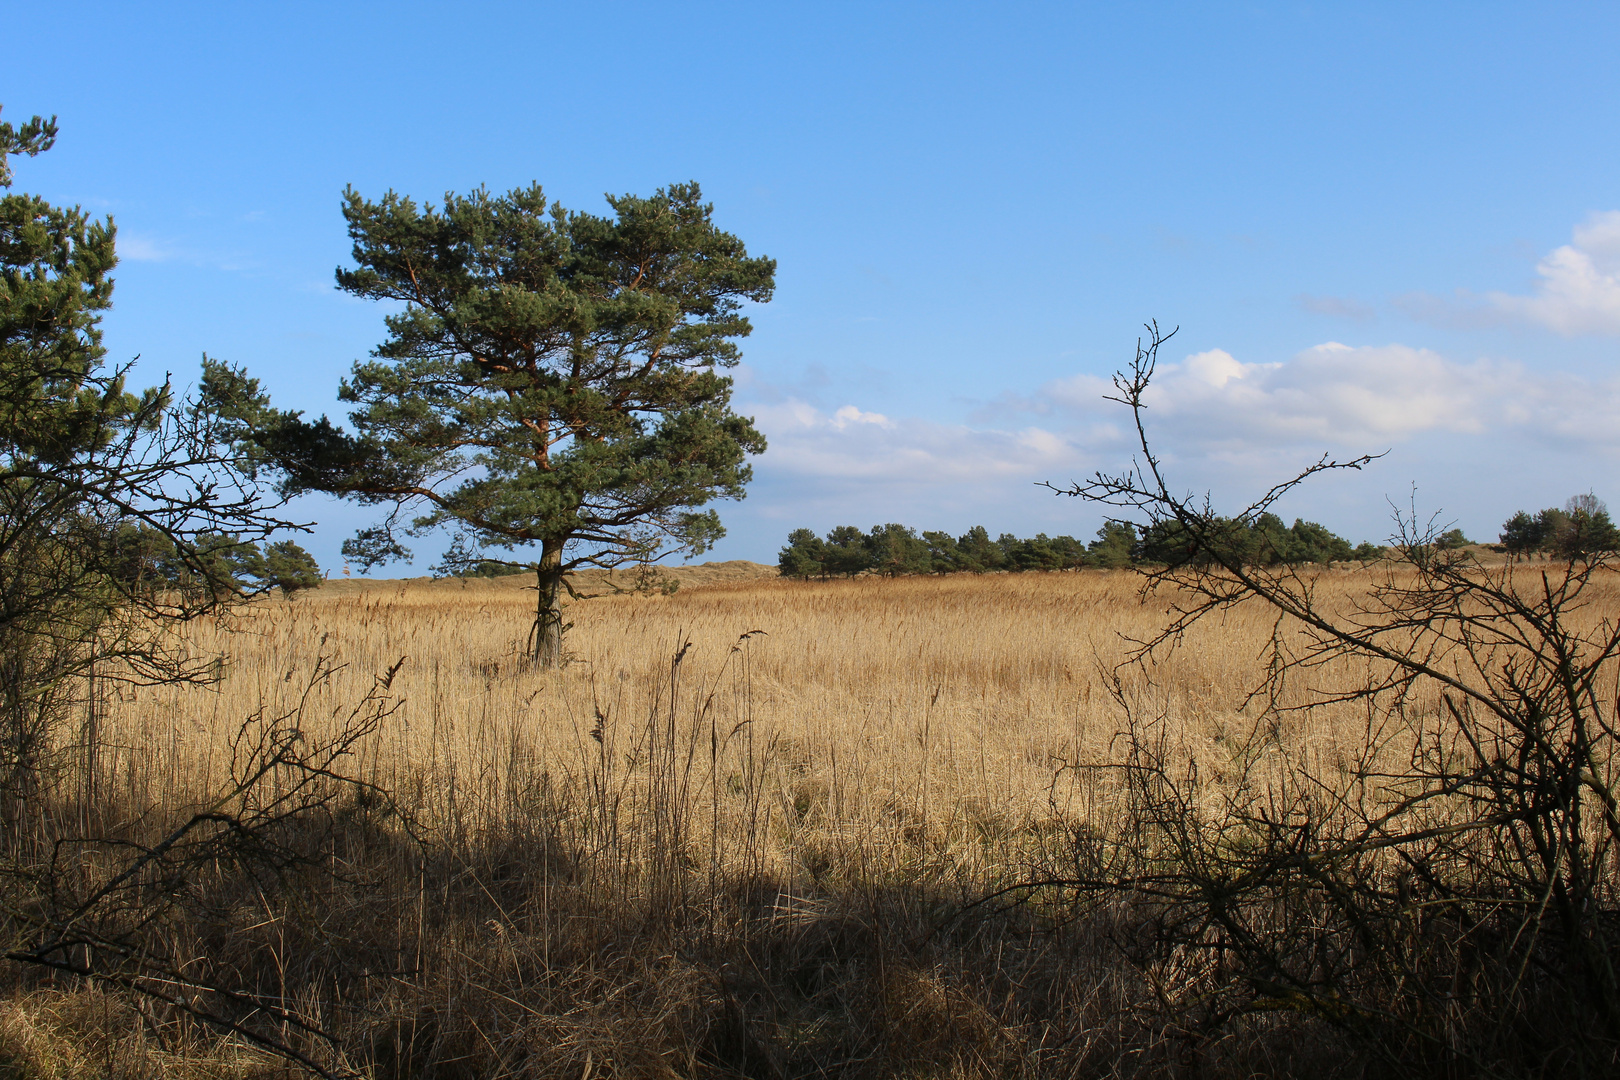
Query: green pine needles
{"points": [[550, 389]]}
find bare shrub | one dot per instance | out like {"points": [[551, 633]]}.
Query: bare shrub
{"points": [[167, 909], [1441, 889]]}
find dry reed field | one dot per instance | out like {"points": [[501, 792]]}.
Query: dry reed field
{"points": [[745, 831], [906, 718]]}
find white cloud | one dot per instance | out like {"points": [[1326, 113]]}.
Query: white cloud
{"points": [[1364, 398], [849, 414], [854, 445], [1243, 418], [145, 247], [141, 247], [1219, 423], [1579, 290]]}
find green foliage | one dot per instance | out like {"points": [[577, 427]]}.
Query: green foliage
{"points": [[1264, 541], [979, 553], [1115, 546], [846, 552], [1267, 542], [1589, 534], [225, 563], [551, 379], [1042, 552], [895, 549], [1309, 542], [492, 568], [1452, 540], [944, 553], [35, 137], [55, 281], [219, 564], [290, 568], [1581, 529], [1367, 552], [1521, 534], [805, 555]]}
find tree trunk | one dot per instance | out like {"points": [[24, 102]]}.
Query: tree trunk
{"points": [[548, 624]]}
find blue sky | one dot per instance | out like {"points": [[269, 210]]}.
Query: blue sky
{"points": [[1380, 226]]}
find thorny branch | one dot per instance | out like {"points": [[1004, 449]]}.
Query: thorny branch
{"points": [[1448, 887], [101, 908]]}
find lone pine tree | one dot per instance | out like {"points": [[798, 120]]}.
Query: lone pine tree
{"points": [[551, 383]]}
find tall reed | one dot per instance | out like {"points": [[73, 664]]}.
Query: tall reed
{"points": [[735, 835]]}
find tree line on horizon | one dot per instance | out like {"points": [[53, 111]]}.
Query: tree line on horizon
{"points": [[894, 550], [1582, 527], [221, 563]]}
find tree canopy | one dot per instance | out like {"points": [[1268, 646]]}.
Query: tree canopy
{"points": [[551, 381], [895, 549], [1262, 540], [1582, 527]]}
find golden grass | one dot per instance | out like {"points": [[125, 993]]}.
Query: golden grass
{"points": [[634, 859], [889, 711]]}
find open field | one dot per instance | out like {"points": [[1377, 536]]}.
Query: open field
{"points": [[732, 837], [875, 709]]}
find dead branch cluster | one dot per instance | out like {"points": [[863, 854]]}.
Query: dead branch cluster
{"points": [[1442, 888]]}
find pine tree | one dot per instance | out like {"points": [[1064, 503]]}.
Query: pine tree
{"points": [[978, 552], [290, 568], [944, 554], [846, 551], [1521, 534], [894, 550], [550, 390], [804, 556], [1115, 546]]}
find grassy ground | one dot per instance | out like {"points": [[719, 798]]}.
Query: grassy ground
{"points": [[734, 836]]}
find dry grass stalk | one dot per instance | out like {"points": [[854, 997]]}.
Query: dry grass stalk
{"points": [[740, 861]]}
